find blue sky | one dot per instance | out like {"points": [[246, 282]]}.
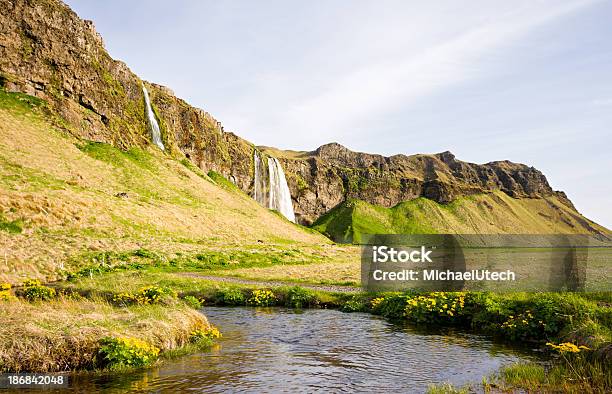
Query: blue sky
{"points": [[528, 81]]}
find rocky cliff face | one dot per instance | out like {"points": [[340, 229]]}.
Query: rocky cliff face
{"points": [[322, 179], [47, 51], [201, 138]]}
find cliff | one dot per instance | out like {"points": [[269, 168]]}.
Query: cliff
{"points": [[322, 179], [47, 51]]}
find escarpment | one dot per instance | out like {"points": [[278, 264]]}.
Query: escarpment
{"points": [[322, 179]]}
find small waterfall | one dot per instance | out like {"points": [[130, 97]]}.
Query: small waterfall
{"points": [[155, 131], [272, 177]]}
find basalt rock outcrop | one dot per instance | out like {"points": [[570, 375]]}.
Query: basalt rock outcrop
{"points": [[47, 51]]}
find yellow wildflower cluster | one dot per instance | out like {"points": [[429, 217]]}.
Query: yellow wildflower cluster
{"points": [[5, 292], [437, 304], [375, 303], [35, 291], [136, 345], [31, 283], [125, 351], [152, 294], [130, 298], [262, 298], [567, 347], [210, 332], [521, 320]]}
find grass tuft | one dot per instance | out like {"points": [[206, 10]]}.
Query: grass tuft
{"points": [[11, 227]]}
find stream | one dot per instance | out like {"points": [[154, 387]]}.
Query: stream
{"points": [[317, 350]]}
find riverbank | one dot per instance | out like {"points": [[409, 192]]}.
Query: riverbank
{"points": [[114, 304], [69, 332], [569, 375]]}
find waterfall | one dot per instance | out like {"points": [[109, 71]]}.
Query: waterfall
{"points": [[259, 193], [272, 177], [155, 132], [280, 198]]}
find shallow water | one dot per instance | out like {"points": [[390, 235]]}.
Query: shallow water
{"points": [[279, 350]]}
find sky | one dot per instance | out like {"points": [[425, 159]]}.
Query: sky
{"points": [[526, 80]]}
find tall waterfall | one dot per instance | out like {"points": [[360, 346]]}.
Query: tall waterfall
{"points": [[271, 177], [280, 198], [155, 132]]}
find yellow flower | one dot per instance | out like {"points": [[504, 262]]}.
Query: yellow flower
{"points": [[566, 347], [376, 302]]}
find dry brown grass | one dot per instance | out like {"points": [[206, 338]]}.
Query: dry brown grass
{"points": [[64, 334]]}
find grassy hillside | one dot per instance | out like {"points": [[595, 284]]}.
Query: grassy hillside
{"points": [[494, 213], [63, 198]]}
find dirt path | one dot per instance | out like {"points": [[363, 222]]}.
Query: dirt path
{"points": [[271, 283]]}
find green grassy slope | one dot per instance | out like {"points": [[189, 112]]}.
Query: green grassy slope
{"points": [[494, 213], [62, 198]]}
